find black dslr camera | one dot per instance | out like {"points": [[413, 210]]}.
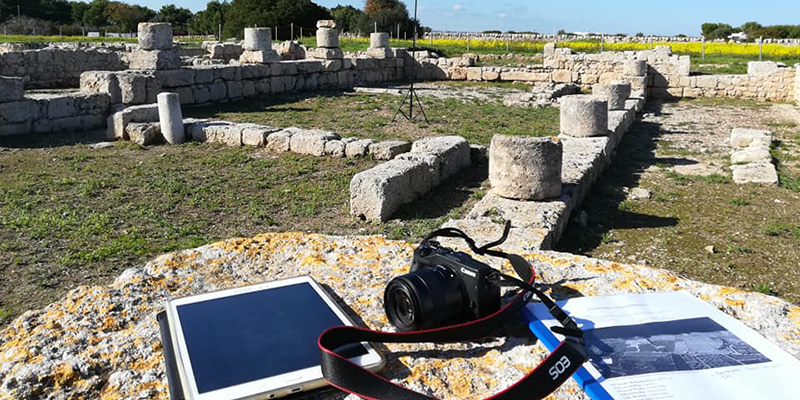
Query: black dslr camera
{"points": [[442, 288]]}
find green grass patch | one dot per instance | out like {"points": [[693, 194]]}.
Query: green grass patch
{"points": [[765, 288], [740, 202]]}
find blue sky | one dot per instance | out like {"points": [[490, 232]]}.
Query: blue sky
{"points": [[628, 16]]}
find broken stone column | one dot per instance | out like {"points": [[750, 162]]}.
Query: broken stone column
{"points": [[327, 42], [635, 68], [155, 48], [379, 46], [258, 47], [525, 168], [584, 116], [615, 92], [171, 118]]}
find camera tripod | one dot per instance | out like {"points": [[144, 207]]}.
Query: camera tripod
{"points": [[411, 96]]}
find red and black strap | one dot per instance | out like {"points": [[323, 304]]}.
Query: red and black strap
{"points": [[543, 380]]}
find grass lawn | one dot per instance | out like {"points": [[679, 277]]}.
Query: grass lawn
{"points": [[716, 64], [73, 215], [370, 116], [754, 229]]}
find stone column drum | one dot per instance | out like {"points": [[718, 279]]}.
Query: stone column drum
{"points": [[256, 39], [584, 116], [615, 92], [327, 38], [378, 40], [525, 168], [634, 68], [171, 118], [155, 36]]}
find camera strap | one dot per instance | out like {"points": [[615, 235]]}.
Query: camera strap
{"points": [[543, 380]]}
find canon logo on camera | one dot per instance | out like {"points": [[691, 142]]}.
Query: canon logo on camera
{"points": [[468, 272]]}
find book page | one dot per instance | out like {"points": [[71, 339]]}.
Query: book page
{"points": [[674, 346]]}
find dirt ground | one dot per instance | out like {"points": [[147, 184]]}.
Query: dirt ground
{"points": [[690, 217]]}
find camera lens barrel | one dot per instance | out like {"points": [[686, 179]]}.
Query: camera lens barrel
{"points": [[423, 299]]}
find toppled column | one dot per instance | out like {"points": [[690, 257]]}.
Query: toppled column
{"points": [[258, 47], [155, 48], [615, 92], [11, 89], [525, 168], [379, 46], [171, 118], [327, 42], [584, 116]]}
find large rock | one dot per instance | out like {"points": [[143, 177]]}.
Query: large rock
{"points": [[155, 36], [375, 194], [584, 116], [101, 341], [281, 141], [311, 142], [358, 148], [452, 153], [525, 168], [11, 89], [144, 133], [217, 132]]}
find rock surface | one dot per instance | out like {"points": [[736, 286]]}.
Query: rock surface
{"points": [[103, 341]]}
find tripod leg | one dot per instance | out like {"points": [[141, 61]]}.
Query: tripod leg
{"points": [[419, 103], [400, 109]]}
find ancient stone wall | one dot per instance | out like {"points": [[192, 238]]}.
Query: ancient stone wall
{"points": [[797, 85], [53, 113], [216, 83], [52, 68]]}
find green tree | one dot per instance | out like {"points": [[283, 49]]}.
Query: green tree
{"points": [[716, 30], [176, 16], [78, 11], [348, 18], [389, 14], [207, 22], [95, 14], [751, 27], [125, 17], [272, 13]]}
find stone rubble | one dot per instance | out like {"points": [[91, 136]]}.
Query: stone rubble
{"points": [[751, 160]]}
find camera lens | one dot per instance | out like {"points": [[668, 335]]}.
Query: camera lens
{"points": [[424, 299]]}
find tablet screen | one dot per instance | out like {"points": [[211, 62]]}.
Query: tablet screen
{"points": [[252, 336]]}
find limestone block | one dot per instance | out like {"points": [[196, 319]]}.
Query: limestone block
{"points": [[424, 181], [154, 59], [761, 68], [257, 135], [326, 23], [203, 74], [637, 103], [218, 91], [584, 116], [61, 107], [328, 38], [280, 142], [756, 153], [217, 132], [635, 68], [234, 89], [452, 153], [549, 49], [616, 93], [144, 133], [155, 36], [684, 65], [490, 75], [186, 94], [525, 168], [325, 53], [335, 148], [311, 142], [378, 40], [18, 111], [176, 77], [706, 81], [380, 53], [248, 88], [741, 137], [388, 149], [133, 87], [755, 173], [119, 120], [562, 76], [375, 194], [358, 148], [259, 57], [23, 128], [171, 118], [91, 104], [11, 89], [257, 39], [101, 82], [619, 121]]}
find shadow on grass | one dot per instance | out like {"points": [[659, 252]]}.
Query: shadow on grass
{"points": [[261, 104], [54, 139], [606, 205]]}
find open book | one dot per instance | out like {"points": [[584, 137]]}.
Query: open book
{"points": [[669, 346]]}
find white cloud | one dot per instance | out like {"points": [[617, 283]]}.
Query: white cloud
{"points": [[502, 15], [457, 7]]}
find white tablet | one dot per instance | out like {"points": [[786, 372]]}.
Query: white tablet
{"points": [[257, 342]]}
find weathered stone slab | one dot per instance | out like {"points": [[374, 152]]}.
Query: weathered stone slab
{"points": [[358, 148], [256, 39], [119, 120], [742, 137], [217, 132], [311, 142], [335, 148], [388, 149], [375, 194], [257, 135], [280, 142], [452, 153], [761, 68], [755, 153], [320, 53], [755, 173], [259, 57], [154, 59], [615, 92], [11, 89]]}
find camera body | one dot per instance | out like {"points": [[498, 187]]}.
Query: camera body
{"points": [[443, 287]]}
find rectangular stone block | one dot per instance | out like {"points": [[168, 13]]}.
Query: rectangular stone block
{"points": [[741, 137], [257, 135], [452, 153], [422, 183], [61, 107], [375, 194], [18, 111], [310, 142], [217, 132], [176, 77], [118, 121], [203, 74], [154, 59], [11, 89], [761, 68], [280, 142], [388, 149], [358, 148]]}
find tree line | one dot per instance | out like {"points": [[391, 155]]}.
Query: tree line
{"points": [[753, 30], [228, 18]]}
